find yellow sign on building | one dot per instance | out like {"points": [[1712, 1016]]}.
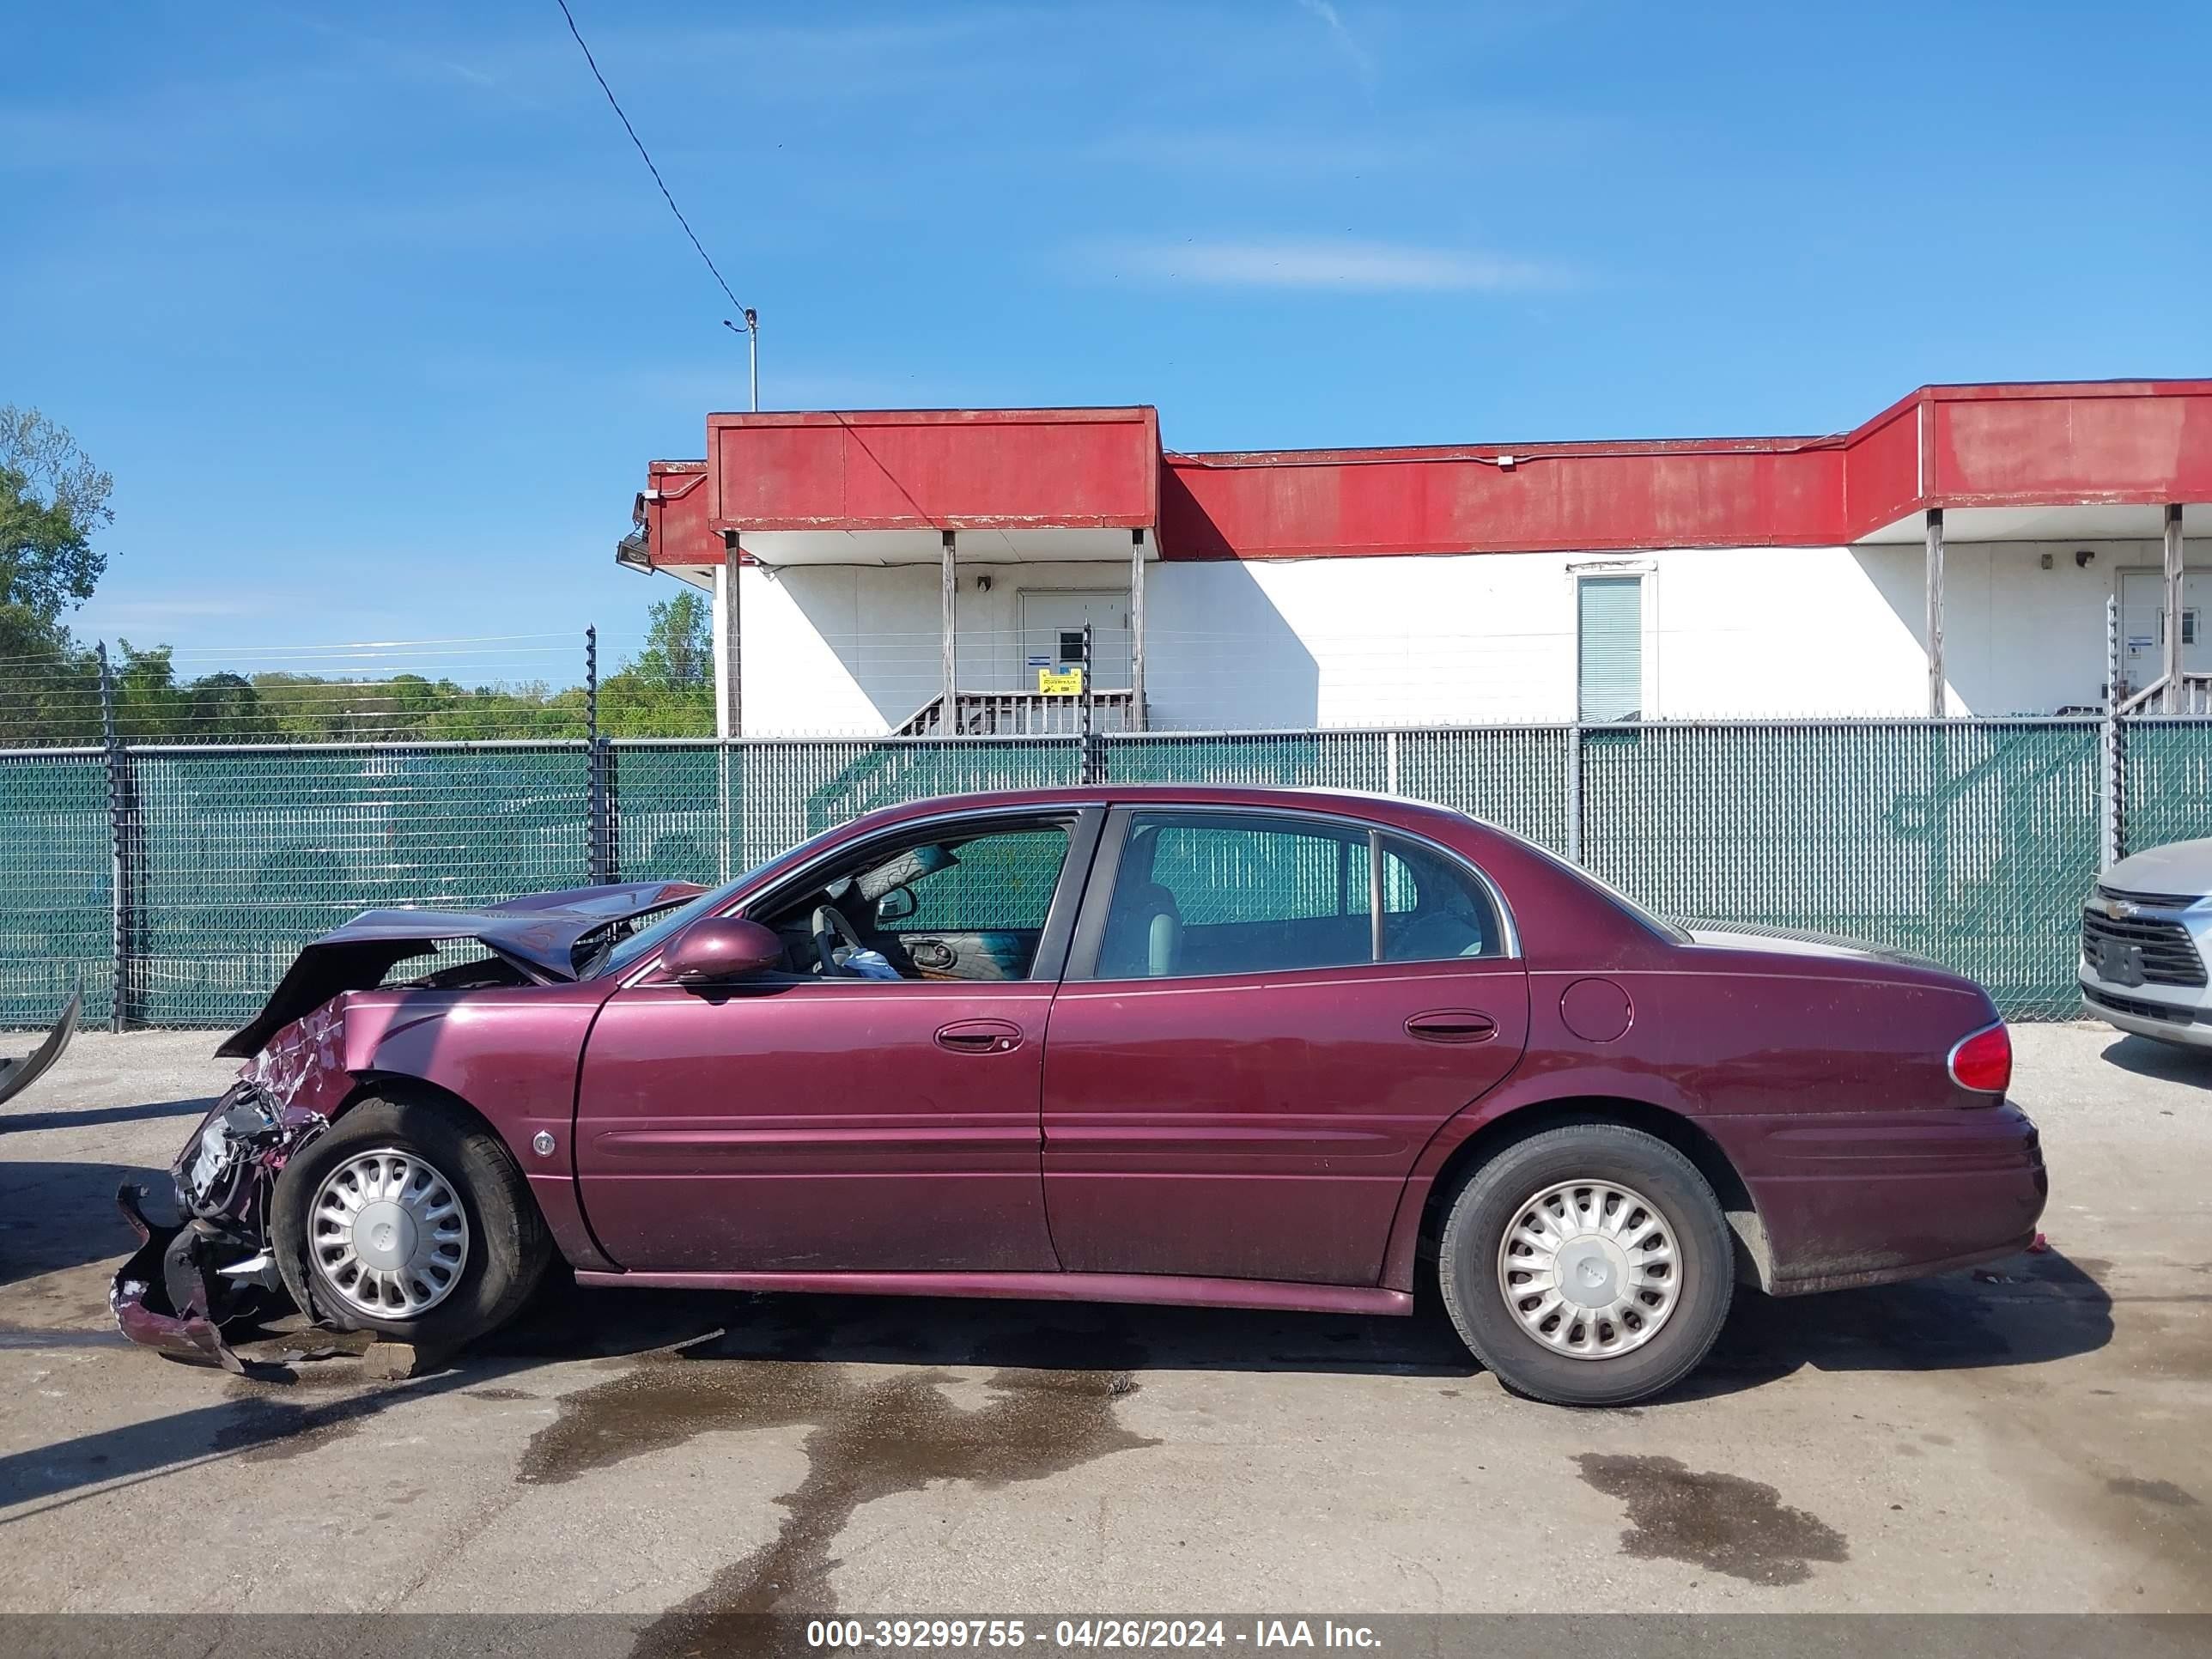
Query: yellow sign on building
{"points": [[1066, 684]]}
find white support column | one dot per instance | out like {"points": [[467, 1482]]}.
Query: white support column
{"points": [[1935, 704], [1136, 630], [2170, 702], [949, 714]]}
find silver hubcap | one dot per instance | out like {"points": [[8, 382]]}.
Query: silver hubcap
{"points": [[389, 1233], [1590, 1269]]}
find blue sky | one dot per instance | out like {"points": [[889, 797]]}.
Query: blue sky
{"points": [[376, 316]]}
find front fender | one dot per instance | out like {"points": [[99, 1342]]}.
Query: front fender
{"points": [[510, 1053]]}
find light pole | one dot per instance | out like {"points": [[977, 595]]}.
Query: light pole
{"points": [[729, 721], [750, 329]]}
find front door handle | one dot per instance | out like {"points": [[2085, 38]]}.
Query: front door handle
{"points": [[1452, 1025], [980, 1036]]}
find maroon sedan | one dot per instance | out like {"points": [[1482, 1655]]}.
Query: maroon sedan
{"points": [[1231, 1047]]}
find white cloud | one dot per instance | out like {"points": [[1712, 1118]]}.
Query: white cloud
{"points": [[1372, 267]]}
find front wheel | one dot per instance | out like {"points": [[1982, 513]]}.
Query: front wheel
{"points": [[1587, 1266], [407, 1218]]}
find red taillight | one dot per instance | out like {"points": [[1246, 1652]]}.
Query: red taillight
{"points": [[1983, 1062]]}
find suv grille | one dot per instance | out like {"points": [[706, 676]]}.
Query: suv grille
{"points": [[2169, 955], [2156, 901], [2138, 1006]]}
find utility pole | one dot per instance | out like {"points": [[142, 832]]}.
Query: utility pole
{"points": [[750, 329], [729, 694]]}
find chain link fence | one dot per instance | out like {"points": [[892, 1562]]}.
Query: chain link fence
{"points": [[173, 884]]}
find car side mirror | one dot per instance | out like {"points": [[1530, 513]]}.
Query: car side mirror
{"points": [[717, 948], [897, 905]]}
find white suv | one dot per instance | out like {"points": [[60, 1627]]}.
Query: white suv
{"points": [[2146, 935]]}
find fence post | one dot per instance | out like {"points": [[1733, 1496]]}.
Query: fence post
{"points": [[121, 871], [1090, 768], [2112, 770], [1575, 793], [724, 753], [598, 816], [1390, 762]]}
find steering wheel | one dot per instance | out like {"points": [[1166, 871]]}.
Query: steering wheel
{"points": [[831, 929]]}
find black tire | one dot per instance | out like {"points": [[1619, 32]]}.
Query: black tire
{"points": [[508, 1247], [1499, 1191]]}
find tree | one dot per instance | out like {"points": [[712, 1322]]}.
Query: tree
{"points": [[224, 705], [679, 645], [52, 501], [667, 690]]}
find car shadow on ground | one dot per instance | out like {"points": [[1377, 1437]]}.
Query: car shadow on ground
{"points": [[2026, 1309], [19, 1122], [2167, 1062], [308, 1389], [62, 1214]]}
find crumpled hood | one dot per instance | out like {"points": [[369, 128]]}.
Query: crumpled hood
{"points": [[540, 932]]}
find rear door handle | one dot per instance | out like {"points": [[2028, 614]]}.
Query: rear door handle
{"points": [[980, 1036], [1452, 1025]]}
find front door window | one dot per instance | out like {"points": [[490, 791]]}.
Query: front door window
{"points": [[945, 905]]}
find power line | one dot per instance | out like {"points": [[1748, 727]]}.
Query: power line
{"points": [[616, 105]]}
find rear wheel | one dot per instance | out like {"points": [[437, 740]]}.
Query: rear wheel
{"points": [[1587, 1266], [406, 1217]]}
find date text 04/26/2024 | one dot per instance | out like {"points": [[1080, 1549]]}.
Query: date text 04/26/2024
{"points": [[1084, 1634]]}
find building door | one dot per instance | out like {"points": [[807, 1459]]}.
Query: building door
{"points": [[1052, 636], [2142, 627]]}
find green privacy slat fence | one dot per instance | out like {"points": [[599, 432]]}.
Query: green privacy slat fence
{"points": [[1969, 841], [697, 812], [1513, 777], [672, 812], [1972, 843], [2168, 781], [55, 855], [247, 856], [794, 790], [1310, 760]]}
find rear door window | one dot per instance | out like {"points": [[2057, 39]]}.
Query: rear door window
{"points": [[1434, 909], [1228, 893]]}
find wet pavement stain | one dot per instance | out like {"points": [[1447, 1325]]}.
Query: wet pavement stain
{"points": [[2163, 1492], [1721, 1522], [870, 1436], [260, 1429]]}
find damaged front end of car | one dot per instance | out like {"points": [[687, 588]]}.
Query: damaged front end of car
{"points": [[218, 1263], [215, 1265]]}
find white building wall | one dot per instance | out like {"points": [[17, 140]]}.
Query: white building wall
{"points": [[1472, 639]]}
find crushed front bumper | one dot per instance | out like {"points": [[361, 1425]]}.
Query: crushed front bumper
{"points": [[188, 1280], [141, 1298]]}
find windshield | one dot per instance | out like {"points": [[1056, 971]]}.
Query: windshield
{"points": [[629, 952]]}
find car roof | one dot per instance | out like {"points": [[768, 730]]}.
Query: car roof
{"points": [[1370, 806]]}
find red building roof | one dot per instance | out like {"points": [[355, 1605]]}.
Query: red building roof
{"points": [[2113, 445]]}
